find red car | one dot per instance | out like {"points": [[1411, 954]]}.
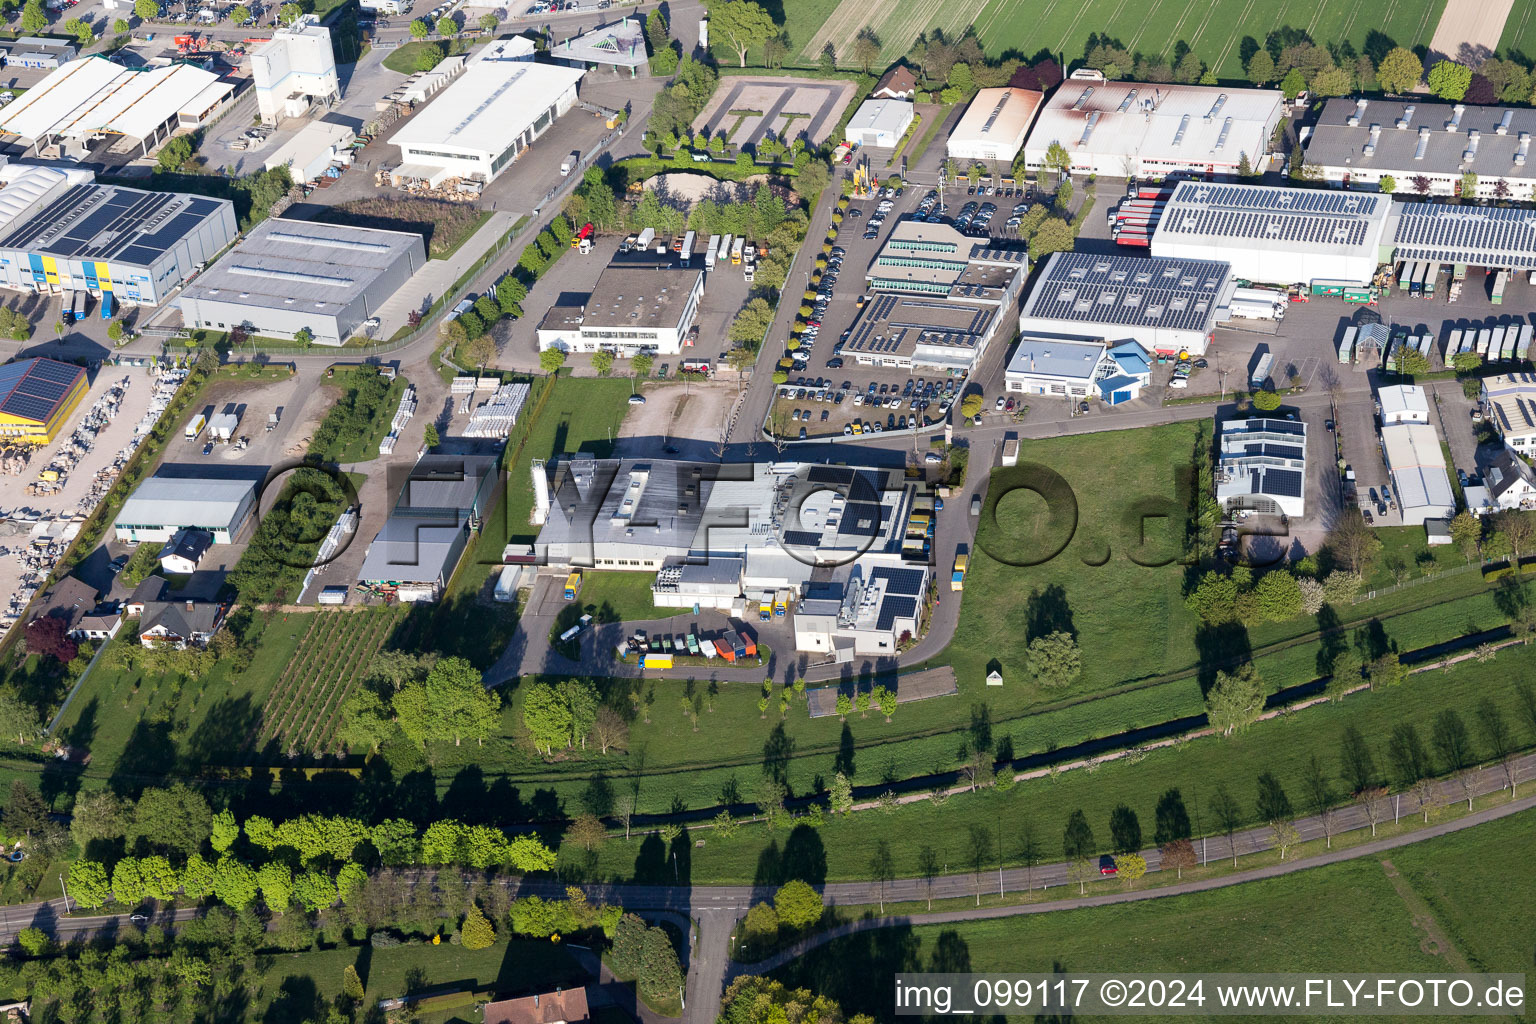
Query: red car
{"points": [[1107, 865]]}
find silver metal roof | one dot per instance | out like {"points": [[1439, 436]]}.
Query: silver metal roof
{"points": [[1251, 216], [1177, 294], [1484, 236], [1407, 138]]}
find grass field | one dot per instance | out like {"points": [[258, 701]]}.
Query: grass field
{"points": [[841, 848], [1212, 28], [1347, 917], [1519, 32]]}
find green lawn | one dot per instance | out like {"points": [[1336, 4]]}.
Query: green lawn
{"points": [[404, 57], [620, 596], [841, 848], [296, 980], [1342, 917], [1519, 33]]}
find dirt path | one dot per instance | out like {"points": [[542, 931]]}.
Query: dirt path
{"points": [[1435, 942], [1469, 30]]}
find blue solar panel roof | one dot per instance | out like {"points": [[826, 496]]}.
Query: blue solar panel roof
{"points": [[33, 389]]}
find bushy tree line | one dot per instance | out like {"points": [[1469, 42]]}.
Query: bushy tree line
{"points": [[1274, 596], [681, 101], [753, 1000], [646, 954], [427, 699]]}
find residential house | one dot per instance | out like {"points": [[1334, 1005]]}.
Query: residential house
{"points": [[899, 83], [1509, 481], [150, 590], [179, 624], [70, 599], [101, 623], [180, 557], [562, 1006]]}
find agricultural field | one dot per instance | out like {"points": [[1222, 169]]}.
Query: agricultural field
{"points": [[1349, 917], [304, 708], [1213, 28], [1519, 32]]}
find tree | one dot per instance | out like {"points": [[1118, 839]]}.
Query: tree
{"points": [[1450, 80], [1064, 196], [98, 816], [587, 832], [1466, 533], [840, 794], [276, 881], [34, 18], [365, 722], [34, 941], [1124, 829], [48, 636], [882, 868], [197, 878], [1466, 185], [1077, 839], [602, 362], [146, 9], [1229, 816], [1080, 870], [81, 30], [751, 324], [241, 15], [234, 883], [1410, 761], [18, 717], [1130, 868], [1516, 528], [546, 717], [609, 729], [1332, 81], [1261, 67], [1266, 401], [742, 24], [174, 818], [1399, 71], [798, 905], [304, 336], [1293, 83], [89, 885], [1278, 596], [1057, 159], [928, 870], [641, 364], [1353, 543], [866, 48], [1054, 235], [351, 984], [1319, 797], [476, 932], [1178, 854], [1054, 659], [1387, 184], [827, 62], [1235, 701]]}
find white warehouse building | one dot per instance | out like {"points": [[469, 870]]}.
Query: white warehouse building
{"points": [[482, 122], [1126, 129], [880, 123], [994, 125], [1419, 480], [1168, 306], [1277, 235]]}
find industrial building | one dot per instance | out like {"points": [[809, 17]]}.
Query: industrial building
{"points": [[95, 96], [37, 397], [291, 275], [441, 505], [938, 302], [620, 46], [1168, 306], [482, 122], [313, 149], [1473, 236], [38, 52], [1403, 403], [1137, 129], [1278, 235], [1262, 466], [1078, 369], [634, 307], [1509, 402], [61, 232], [716, 533], [1417, 463], [1356, 142], [177, 499], [295, 71], [880, 123], [994, 126]]}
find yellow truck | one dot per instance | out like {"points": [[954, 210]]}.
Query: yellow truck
{"points": [[572, 585], [957, 578]]}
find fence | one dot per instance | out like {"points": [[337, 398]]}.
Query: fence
{"points": [[1460, 570]]}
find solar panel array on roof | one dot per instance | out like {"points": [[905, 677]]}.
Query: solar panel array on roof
{"points": [[102, 222], [1477, 235], [861, 519], [908, 582], [1179, 294], [802, 538], [893, 608], [32, 389], [1284, 482], [1321, 219]]}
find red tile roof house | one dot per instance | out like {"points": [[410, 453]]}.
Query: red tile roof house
{"points": [[899, 83], [567, 1006]]}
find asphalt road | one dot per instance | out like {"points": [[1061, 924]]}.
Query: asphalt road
{"points": [[717, 908]]}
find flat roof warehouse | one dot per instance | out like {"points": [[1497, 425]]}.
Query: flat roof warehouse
{"points": [[501, 100]]}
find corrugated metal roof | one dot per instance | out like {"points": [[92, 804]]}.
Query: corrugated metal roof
{"points": [[1177, 294], [1290, 218], [97, 95]]}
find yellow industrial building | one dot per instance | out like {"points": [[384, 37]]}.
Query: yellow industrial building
{"points": [[37, 397]]}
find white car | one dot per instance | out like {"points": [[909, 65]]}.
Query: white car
{"points": [[1001, 401], [636, 399]]}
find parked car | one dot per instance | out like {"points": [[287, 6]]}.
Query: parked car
{"points": [[1107, 865]]}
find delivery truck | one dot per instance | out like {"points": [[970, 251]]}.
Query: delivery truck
{"points": [[709, 253], [646, 237], [572, 585], [196, 426]]}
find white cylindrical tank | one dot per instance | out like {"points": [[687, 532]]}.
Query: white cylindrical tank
{"points": [[540, 493]]}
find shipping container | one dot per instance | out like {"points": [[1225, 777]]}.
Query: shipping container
{"points": [[657, 661], [1261, 371], [748, 643], [107, 305], [1500, 281], [1404, 276], [334, 594], [1431, 279], [725, 649], [957, 577], [1347, 345], [709, 252], [1483, 337], [1361, 295], [572, 586], [1511, 336], [1452, 346]]}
